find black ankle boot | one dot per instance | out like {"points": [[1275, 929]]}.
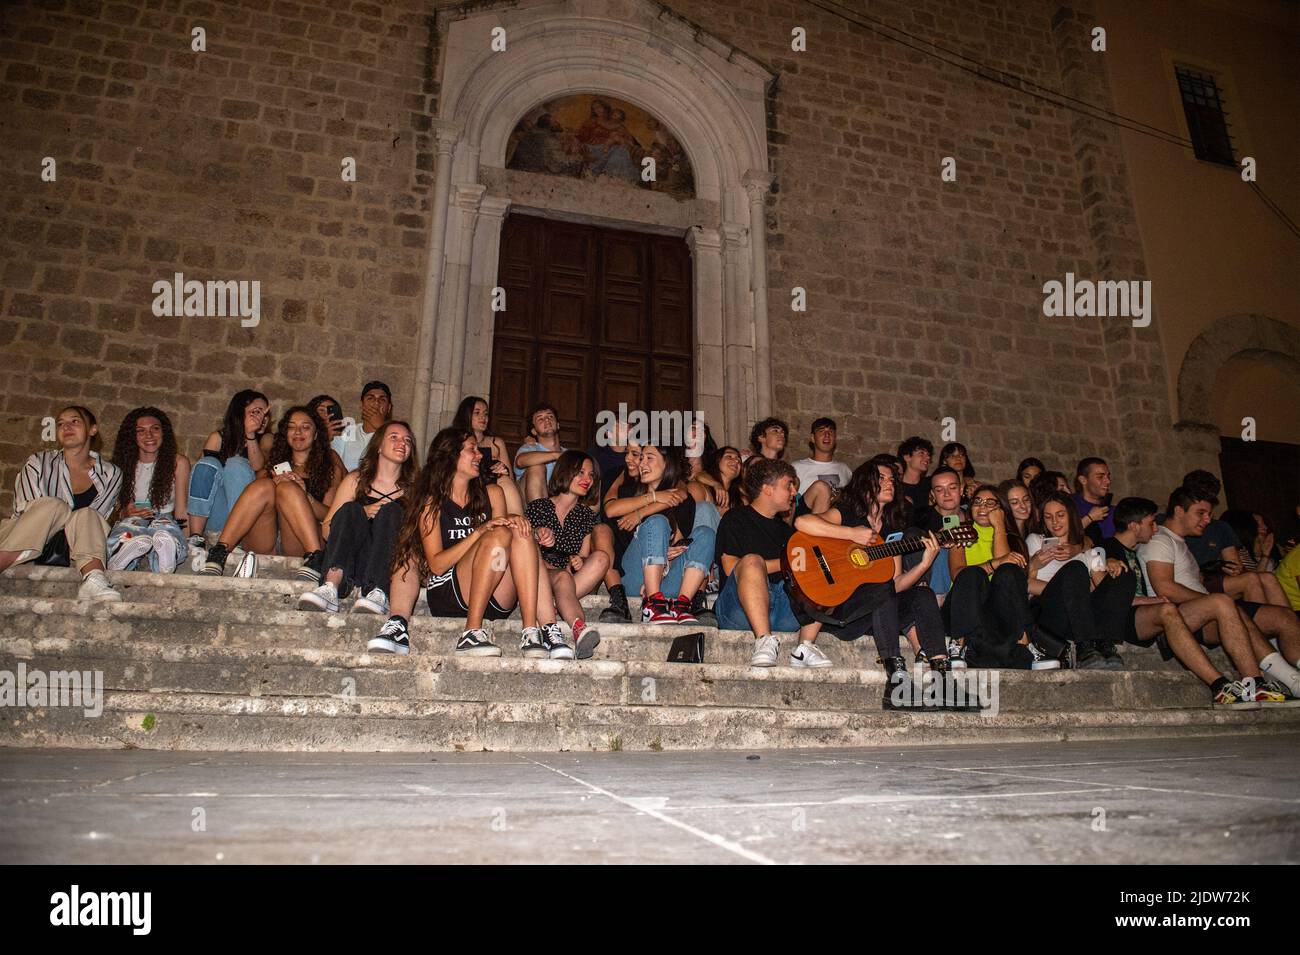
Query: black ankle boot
{"points": [[700, 610], [617, 611], [897, 685]]}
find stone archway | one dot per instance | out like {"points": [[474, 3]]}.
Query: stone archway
{"points": [[711, 95], [1246, 335]]}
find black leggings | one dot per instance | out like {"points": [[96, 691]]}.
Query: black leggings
{"points": [[894, 613], [1069, 609], [991, 614], [362, 547]]}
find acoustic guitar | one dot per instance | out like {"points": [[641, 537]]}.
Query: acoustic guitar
{"points": [[824, 571]]}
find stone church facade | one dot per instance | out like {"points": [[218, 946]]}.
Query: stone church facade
{"points": [[816, 169]]}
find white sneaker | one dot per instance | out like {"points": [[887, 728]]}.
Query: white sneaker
{"points": [[164, 546], [325, 597], [765, 649], [248, 566], [129, 549], [807, 655], [97, 588], [374, 602]]}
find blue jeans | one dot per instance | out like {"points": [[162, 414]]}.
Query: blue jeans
{"points": [[650, 546], [146, 527], [215, 487], [731, 616]]}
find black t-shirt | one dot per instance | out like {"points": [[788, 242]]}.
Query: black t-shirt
{"points": [[610, 463], [745, 531], [917, 497], [1115, 550]]}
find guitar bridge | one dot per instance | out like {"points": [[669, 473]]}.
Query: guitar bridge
{"points": [[821, 562]]}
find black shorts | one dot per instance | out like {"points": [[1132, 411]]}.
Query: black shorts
{"points": [[446, 600], [1250, 608], [1161, 639]]}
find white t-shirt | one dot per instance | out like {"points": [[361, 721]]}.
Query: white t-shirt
{"points": [[832, 472], [1168, 548], [1093, 558], [352, 451]]}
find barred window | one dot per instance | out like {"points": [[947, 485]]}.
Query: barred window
{"points": [[1207, 119]]}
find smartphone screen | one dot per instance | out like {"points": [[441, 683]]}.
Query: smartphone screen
{"points": [[1051, 542]]}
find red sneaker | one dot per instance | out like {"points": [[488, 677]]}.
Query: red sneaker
{"points": [[656, 609], [682, 610]]}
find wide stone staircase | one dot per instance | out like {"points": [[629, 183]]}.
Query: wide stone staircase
{"points": [[201, 663]]}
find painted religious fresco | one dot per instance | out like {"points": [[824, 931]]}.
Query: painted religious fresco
{"points": [[599, 137]]}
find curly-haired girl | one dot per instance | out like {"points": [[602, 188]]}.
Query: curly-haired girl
{"points": [[151, 504]]}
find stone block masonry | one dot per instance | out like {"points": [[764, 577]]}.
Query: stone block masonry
{"points": [[222, 165], [924, 296]]}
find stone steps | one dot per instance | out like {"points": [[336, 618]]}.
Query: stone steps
{"points": [[198, 721], [275, 670], [191, 662]]}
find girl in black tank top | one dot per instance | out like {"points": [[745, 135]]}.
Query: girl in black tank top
{"points": [[469, 514]]}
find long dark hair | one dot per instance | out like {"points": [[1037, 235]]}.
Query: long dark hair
{"points": [[369, 465], [863, 491], [465, 415], [432, 487], [233, 439], [1072, 512], [1029, 463], [711, 468], [320, 463], [674, 468], [949, 448], [126, 455], [1243, 525], [1044, 486]]}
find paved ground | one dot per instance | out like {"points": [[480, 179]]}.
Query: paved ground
{"points": [[1229, 799]]}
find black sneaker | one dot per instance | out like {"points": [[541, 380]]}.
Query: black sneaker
{"points": [[617, 611], [392, 638], [1090, 658], [475, 643], [702, 612], [1113, 660], [311, 568], [215, 565], [921, 658]]}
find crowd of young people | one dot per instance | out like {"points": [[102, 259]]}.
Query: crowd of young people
{"points": [[1056, 573]]}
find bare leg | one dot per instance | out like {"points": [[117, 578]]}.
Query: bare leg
{"points": [[1218, 615], [298, 518], [818, 497], [479, 572], [514, 500], [252, 520], [602, 540], [404, 590], [1281, 623], [545, 593], [1245, 586], [534, 482], [586, 580], [1152, 619], [566, 594], [751, 589]]}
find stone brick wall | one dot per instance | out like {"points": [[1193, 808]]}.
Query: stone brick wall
{"points": [[224, 164], [925, 297]]}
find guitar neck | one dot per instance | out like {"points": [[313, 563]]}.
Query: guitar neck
{"points": [[905, 546]]}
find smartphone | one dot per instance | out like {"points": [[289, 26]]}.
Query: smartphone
{"points": [[951, 521], [1051, 542], [334, 411], [143, 504], [684, 542], [284, 467]]}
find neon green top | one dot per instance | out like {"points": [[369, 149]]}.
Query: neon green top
{"points": [[1286, 575], [982, 550]]}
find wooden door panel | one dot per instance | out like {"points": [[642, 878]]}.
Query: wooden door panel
{"points": [[513, 374], [594, 317], [565, 373]]}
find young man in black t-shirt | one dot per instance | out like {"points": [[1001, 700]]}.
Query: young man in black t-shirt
{"points": [[915, 453], [751, 541]]}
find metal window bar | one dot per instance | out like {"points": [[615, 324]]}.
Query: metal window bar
{"points": [[1207, 120]]}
